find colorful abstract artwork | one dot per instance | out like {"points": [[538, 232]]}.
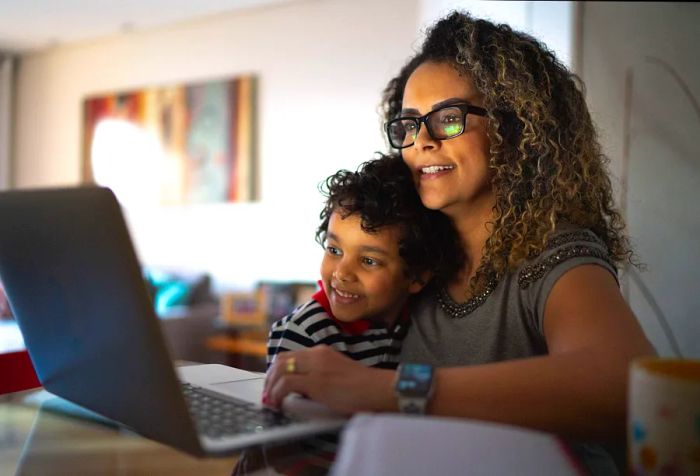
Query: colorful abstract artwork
{"points": [[181, 144]]}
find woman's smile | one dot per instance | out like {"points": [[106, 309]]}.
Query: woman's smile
{"points": [[429, 172]]}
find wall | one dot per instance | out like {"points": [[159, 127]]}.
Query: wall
{"points": [[321, 64], [321, 67], [318, 60], [641, 68], [6, 94], [325, 59]]}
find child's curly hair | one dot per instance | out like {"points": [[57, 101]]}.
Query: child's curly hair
{"points": [[382, 193], [546, 163]]}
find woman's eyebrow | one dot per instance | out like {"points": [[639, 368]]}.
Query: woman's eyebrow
{"points": [[437, 105], [449, 102], [409, 111]]}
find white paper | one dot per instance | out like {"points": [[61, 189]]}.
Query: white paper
{"points": [[384, 445]]}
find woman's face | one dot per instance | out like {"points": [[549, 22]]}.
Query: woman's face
{"points": [[451, 175]]}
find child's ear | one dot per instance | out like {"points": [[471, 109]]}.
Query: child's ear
{"points": [[419, 282]]}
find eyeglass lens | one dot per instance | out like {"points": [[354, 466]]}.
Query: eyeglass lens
{"points": [[442, 124]]}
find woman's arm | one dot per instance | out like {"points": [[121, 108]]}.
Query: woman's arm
{"points": [[578, 390]]}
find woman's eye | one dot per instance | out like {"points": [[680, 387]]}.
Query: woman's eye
{"points": [[409, 126], [332, 250], [450, 119]]}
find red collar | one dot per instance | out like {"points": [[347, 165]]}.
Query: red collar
{"points": [[355, 327]]}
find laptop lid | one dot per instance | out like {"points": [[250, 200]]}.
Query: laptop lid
{"points": [[76, 289]]}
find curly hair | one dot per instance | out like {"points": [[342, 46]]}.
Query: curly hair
{"points": [[546, 163], [382, 193]]}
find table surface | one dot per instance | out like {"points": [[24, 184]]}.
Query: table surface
{"points": [[34, 441], [37, 441]]}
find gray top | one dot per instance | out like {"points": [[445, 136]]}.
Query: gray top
{"points": [[507, 322]]}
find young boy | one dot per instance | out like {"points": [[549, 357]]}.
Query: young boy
{"points": [[381, 246]]}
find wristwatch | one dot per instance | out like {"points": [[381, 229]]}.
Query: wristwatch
{"points": [[414, 387]]}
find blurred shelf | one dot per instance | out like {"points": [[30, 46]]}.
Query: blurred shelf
{"points": [[254, 345]]}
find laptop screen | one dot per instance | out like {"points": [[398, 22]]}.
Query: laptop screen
{"points": [[75, 286]]}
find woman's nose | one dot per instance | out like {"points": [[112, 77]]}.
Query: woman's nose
{"points": [[423, 139]]}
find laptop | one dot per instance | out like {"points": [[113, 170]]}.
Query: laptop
{"points": [[77, 292]]}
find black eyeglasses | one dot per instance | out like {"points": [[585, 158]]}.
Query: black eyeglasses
{"points": [[444, 123]]}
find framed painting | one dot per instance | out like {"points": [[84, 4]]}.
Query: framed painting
{"points": [[179, 144]]}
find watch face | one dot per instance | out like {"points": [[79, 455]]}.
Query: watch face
{"points": [[414, 380]]}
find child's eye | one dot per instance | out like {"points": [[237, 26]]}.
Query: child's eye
{"points": [[370, 261], [332, 250]]}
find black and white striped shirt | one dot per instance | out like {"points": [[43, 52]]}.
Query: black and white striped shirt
{"points": [[313, 324]]}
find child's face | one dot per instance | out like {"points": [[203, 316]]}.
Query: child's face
{"points": [[362, 273]]}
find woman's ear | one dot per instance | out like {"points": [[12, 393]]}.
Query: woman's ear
{"points": [[419, 282]]}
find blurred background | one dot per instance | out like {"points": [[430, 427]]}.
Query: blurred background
{"points": [[319, 67]]}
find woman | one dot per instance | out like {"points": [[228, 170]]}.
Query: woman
{"points": [[534, 331]]}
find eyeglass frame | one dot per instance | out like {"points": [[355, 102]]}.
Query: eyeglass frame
{"points": [[463, 107]]}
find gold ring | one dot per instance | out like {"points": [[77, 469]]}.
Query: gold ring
{"points": [[291, 365]]}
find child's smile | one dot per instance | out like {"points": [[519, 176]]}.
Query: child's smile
{"points": [[343, 297]]}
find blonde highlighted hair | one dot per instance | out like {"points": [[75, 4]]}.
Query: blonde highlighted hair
{"points": [[546, 162]]}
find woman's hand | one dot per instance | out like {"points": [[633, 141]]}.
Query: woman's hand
{"points": [[331, 378]]}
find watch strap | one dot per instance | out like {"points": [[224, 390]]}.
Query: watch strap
{"points": [[413, 406]]}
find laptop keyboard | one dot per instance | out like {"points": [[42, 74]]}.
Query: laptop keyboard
{"points": [[217, 417]]}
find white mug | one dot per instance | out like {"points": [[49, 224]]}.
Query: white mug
{"points": [[663, 430]]}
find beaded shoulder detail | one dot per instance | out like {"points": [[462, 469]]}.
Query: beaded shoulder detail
{"points": [[534, 272], [572, 236]]}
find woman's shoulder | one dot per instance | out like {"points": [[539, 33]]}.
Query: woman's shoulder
{"points": [[567, 247]]}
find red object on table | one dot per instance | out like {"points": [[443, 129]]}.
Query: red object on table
{"points": [[17, 372]]}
